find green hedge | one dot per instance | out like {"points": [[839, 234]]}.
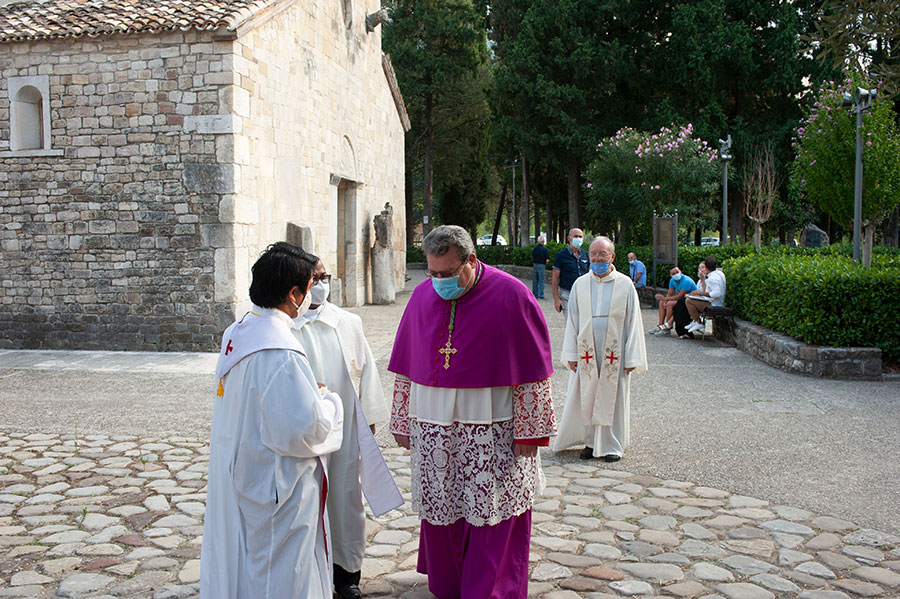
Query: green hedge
{"points": [[689, 257], [820, 299], [819, 296]]}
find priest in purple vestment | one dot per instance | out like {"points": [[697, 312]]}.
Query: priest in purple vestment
{"points": [[472, 403]]}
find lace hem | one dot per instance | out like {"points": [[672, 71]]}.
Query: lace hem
{"points": [[469, 471], [400, 406], [533, 410]]}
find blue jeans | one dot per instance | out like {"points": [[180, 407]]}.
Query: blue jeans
{"points": [[537, 280]]}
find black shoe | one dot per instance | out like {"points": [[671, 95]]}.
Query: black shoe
{"points": [[587, 453], [351, 591], [611, 458]]}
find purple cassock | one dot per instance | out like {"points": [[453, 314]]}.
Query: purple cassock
{"points": [[499, 339], [500, 336]]}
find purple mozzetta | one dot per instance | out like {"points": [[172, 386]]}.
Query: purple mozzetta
{"points": [[500, 336]]}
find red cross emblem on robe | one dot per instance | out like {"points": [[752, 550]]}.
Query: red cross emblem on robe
{"points": [[612, 357], [587, 357]]}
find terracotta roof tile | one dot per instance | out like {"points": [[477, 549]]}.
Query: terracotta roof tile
{"points": [[43, 19]]}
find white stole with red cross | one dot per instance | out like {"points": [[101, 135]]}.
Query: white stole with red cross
{"points": [[598, 368], [259, 329]]}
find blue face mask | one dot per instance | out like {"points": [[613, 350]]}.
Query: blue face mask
{"points": [[600, 268], [677, 277], [576, 242], [447, 288]]}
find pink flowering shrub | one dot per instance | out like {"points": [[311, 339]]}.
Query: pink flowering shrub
{"points": [[636, 172], [823, 171]]}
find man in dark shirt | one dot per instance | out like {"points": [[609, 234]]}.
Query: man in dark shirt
{"points": [[569, 264], [540, 258]]}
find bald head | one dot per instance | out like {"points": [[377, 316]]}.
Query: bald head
{"points": [[603, 244]]}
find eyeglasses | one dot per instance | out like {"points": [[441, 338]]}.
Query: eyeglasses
{"points": [[321, 278], [445, 275]]}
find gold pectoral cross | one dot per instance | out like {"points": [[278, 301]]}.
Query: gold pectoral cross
{"points": [[447, 350]]}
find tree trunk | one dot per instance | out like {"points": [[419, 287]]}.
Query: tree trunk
{"points": [[698, 234], [868, 240], [738, 233], [537, 221], [892, 229], [408, 194], [524, 227], [499, 214], [757, 235], [574, 192], [551, 231], [427, 203], [510, 222]]}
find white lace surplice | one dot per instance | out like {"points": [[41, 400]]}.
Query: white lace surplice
{"points": [[462, 448]]}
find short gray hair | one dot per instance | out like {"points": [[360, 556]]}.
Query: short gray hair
{"points": [[541, 239], [607, 241], [440, 240]]}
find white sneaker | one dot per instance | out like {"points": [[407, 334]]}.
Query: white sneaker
{"points": [[693, 327]]}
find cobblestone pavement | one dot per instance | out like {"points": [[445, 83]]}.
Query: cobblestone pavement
{"points": [[98, 515], [121, 516]]}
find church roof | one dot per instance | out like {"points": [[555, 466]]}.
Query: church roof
{"points": [[46, 19]]}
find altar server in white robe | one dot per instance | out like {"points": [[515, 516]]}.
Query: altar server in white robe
{"points": [[341, 358], [264, 535], [603, 345]]}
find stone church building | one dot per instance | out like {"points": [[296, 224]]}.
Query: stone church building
{"points": [[151, 149]]}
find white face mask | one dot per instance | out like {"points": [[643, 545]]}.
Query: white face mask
{"points": [[304, 305], [319, 293]]}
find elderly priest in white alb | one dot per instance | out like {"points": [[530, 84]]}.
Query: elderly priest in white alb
{"points": [[341, 358], [603, 345], [264, 535]]}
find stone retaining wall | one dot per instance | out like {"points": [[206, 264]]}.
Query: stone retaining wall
{"points": [[786, 353], [775, 349]]}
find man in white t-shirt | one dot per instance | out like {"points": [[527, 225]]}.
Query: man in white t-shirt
{"points": [[698, 302]]}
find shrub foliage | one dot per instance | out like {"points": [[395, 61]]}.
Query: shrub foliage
{"points": [[820, 299], [818, 296]]}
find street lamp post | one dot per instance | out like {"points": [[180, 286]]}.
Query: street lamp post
{"points": [[725, 156], [860, 100]]}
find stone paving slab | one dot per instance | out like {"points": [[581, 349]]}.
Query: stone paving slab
{"points": [[122, 516]]}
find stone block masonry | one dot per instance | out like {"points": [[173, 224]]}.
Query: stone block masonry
{"points": [[786, 353], [101, 247]]}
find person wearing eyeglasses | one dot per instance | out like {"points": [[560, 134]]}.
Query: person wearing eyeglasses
{"points": [[340, 358], [472, 403], [603, 345], [264, 533]]}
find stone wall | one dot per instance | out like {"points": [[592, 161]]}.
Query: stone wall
{"points": [[318, 142], [100, 237], [791, 355], [175, 159]]}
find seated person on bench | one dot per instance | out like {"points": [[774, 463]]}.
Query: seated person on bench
{"points": [[699, 301]]}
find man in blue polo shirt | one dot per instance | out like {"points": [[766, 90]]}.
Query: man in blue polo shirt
{"points": [[679, 286], [569, 264], [637, 271]]}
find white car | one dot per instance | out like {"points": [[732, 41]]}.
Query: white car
{"points": [[709, 241], [486, 240]]}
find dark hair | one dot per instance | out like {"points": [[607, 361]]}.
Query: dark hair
{"points": [[710, 263], [678, 266], [278, 270]]}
